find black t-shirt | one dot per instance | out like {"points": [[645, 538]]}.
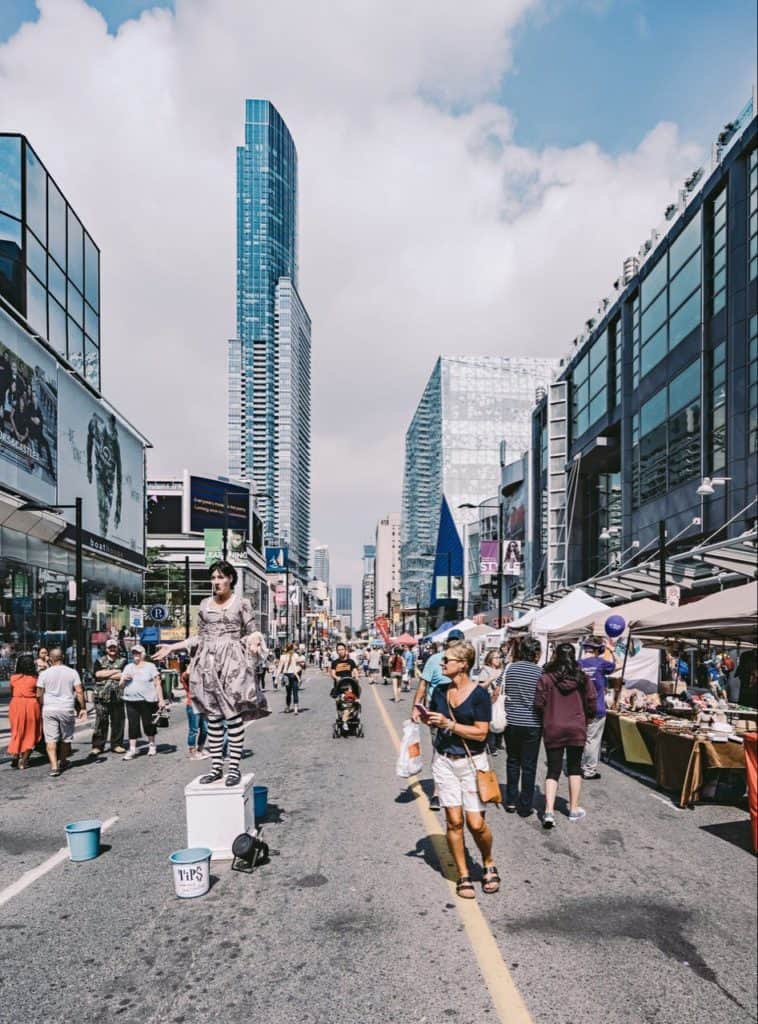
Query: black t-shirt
{"points": [[343, 666], [477, 707]]}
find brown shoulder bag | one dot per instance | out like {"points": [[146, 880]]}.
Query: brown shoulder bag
{"points": [[487, 783]]}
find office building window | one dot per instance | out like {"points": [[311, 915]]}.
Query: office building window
{"points": [[752, 379], [636, 340], [615, 351], [718, 408], [753, 215], [666, 437], [589, 387], [10, 176], [717, 255]]}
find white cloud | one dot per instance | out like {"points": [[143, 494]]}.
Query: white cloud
{"points": [[424, 228]]}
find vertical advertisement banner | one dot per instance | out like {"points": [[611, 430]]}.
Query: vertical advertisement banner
{"points": [[514, 521], [213, 543], [101, 461], [28, 414], [488, 557]]}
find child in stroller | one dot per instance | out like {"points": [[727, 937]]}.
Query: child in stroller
{"points": [[346, 691]]}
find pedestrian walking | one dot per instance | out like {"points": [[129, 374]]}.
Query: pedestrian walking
{"points": [[523, 729], [289, 669], [397, 667], [109, 704], [490, 677], [143, 697], [598, 664], [24, 712], [566, 700], [60, 689], [374, 665], [409, 668], [197, 725], [43, 660], [385, 659], [461, 712], [432, 677]]}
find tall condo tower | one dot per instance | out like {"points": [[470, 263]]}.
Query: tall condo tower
{"points": [[270, 360]]}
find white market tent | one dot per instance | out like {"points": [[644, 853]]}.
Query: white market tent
{"points": [[568, 609], [593, 624], [441, 635]]}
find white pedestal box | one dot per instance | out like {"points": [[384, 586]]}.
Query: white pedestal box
{"points": [[217, 813]]}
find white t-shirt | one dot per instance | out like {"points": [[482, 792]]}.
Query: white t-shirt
{"points": [[140, 681], [59, 682]]}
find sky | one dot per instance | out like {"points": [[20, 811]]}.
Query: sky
{"points": [[467, 185]]}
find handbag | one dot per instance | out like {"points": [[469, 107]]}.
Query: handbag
{"points": [[487, 782]]}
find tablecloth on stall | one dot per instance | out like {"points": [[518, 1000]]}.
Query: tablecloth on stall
{"points": [[751, 767], [679, 759]]}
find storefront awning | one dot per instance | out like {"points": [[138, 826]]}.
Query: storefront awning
{"points": [[44, 526]]}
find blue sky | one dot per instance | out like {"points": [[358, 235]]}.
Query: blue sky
{"points": [[600, 70]]}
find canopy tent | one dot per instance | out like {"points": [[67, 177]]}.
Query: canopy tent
{"points": [[569, 608], [476, 631], [593, 624], [404, 640], [441, 635], [730, 615]]}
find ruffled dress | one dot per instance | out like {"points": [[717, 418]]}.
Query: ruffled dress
{"points": [[24, 715], [222, 674]]}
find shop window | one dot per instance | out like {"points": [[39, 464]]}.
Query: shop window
{"points": [[718, 408]]}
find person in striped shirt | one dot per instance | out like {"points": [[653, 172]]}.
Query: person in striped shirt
{"points": [[524, 729]]}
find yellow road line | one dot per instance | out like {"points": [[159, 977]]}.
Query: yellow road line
{"points": [[506, 998]]}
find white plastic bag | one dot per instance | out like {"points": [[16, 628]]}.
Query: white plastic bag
{"points": [[499, 718], [409, 760]]}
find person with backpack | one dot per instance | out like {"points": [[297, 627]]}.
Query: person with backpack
{"points": [[565, 700]]}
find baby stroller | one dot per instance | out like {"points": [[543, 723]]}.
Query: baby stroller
{"points": [[346, 693]]}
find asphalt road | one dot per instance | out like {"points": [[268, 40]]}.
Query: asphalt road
{"points": [[640, 913]]}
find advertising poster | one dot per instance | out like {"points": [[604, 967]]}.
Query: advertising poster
{"points": [[488, 557], [514, 522], [28, 414], [512, 560], [213, 541], [276, 559], [206, 505], [101, 461]]}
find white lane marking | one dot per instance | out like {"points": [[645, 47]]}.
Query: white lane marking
{"points": [[31, 876], [669, 803]]}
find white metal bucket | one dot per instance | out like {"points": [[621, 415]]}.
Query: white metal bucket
{"points": [[192, 872]]}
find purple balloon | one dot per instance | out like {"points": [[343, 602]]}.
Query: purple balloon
{"points": [[615, 625]]}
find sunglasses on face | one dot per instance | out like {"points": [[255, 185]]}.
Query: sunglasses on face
{"points": [[446, 661]]}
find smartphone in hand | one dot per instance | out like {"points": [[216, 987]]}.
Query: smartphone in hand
{"points": [[423, 712]]}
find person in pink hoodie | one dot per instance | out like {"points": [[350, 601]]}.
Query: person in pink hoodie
{"points": [[565, 699]]}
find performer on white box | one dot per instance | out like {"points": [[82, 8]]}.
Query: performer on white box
{"points": [[223, 678]]}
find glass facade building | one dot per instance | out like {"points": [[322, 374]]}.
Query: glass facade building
{"points": [[49, 264], [269, 411], [470, 406], [663, 391]]}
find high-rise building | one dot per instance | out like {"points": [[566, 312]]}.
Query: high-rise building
{"points": [[368, 592], [321, 563], [387, 568], [470, 407], [270, 360], [343, 602]]}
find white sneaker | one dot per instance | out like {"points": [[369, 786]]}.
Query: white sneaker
{"points": [[578, 814], [151, 751], [129, 755], [296, 711], [202, 755]]}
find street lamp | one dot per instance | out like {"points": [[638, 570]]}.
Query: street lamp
{"points": [[488, 502], [710, 483], [33, 506]]}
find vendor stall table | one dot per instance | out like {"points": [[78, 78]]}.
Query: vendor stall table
{"points": [[679, 758]]}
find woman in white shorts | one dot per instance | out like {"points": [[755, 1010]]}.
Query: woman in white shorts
{"points": [[462, 711]]}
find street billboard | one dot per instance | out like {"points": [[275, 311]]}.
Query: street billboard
{"points": [[102, 461], [28, 414], [514, 526], [488, 557], [205, 499], [276, 559]]}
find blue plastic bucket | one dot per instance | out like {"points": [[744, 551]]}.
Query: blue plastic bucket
{"points": [[260, 801], [192, 872], [83, 839]]}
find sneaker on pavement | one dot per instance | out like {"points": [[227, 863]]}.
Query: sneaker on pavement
{"points": [[548, 820], [434, 803], [591, 775], [95, 752], [578, 814], [151, 751], [202, 755], [118, 750], [129, 755]]}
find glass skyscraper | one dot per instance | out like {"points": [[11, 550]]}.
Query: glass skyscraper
{"points": [[470, 406], [270, 361]]}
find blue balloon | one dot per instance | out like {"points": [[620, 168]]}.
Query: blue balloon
{"points": [[615, 625]]}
